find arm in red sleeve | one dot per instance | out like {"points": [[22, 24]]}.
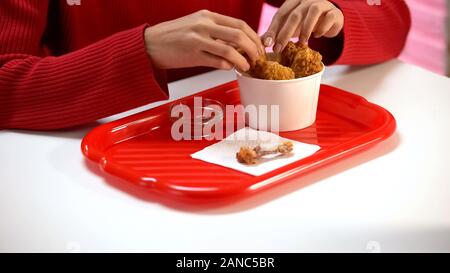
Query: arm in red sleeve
{"points": [[371, 34], [45, 92]]}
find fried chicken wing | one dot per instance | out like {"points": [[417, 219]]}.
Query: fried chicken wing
{"points": [[296, 61], [288, 54], [270, 70], [301, 59]]}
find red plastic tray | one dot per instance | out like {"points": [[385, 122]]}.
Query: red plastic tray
{"points": [[139, 148]]}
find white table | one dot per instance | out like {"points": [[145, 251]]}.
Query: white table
{"points": [[395, 197]]}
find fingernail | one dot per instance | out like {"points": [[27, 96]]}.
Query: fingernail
{"points": [[277, 48], [268, 41], [303, 40], [246, 67]]}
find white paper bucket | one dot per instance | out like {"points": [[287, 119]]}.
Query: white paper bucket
{"points": [[297, 100]]}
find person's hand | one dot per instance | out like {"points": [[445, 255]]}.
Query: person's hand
{"points": [[202, 39], [301, 18]]}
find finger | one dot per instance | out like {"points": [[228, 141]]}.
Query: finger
{"points": [[225, 52], [313, 14], [297, 31], [334, 31], [271, 34], [227, 43], [288, 30], [324, 24], [210, 60], [238, 24], [235, 36]]}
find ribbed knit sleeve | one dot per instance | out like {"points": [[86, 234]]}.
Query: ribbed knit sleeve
{"points": [[371, 34], [46, 92]]}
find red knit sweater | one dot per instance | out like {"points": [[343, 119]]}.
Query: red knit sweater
{"points": [[64, 64]]}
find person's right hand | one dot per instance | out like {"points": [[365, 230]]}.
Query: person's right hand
{"points": [[202, 39]]}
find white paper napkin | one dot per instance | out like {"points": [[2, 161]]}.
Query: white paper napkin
{"points": [[224, 152]]}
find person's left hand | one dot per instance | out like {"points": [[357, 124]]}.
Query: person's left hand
{"points": [[301, 18]]}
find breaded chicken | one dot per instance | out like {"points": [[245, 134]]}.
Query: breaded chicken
{"points": [[296, 61], [270, 70], [301, 59], [288, 54]]}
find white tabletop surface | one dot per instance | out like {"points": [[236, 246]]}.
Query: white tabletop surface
{"points": [[394, 197]]}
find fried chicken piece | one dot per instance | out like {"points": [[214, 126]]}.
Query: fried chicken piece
{"points": [[249, 156], [262, 58], [270, 70], [288, 54], [301, 59]]}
